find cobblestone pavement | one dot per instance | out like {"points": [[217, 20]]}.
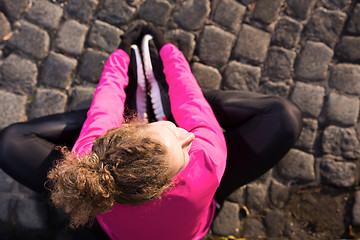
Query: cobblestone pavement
{"points": [[51, 57]]}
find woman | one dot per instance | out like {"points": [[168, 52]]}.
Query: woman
{"points": [[157, 180]]}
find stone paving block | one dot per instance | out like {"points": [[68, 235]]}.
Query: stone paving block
{"points": [[337, 4], [5, 27], [348, 48], [256, 196], [252, 44], [312, 64], [280, 89], [297, 165], [71, 37], [19, 73], [82, 10], [241, 76], [116, 12], [193, 14], [342, 109], [278, 194], [46, 102], [229, 14], [15, 8], [215, 45], [353, 26], [12, 108], [81, 98], [267, 11], [356, 209], [58, 70], [341, 142], [338, 173], [253, 228], [156, 11], [227, 221], [184, 41], [206, 76], [275, 223], [308, 134], [279, 63], [301, 8], [92, 65], [31, 40], [346, 77], [309, 98], [31, 214], [104, 36], [6, 182], [4, 209], [45, 14], [238, 196], [287, 32], [326, 26]]}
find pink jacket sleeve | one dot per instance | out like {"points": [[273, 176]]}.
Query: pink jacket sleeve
{"points": [[190, 109], [107, 108]]}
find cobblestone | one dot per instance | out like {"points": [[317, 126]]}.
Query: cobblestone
{"points": [[71, 37], [229, 14], [300, 8], [309, 98], [353, 25], [185, 41], [4, 209], [345, 77], [267, 11], [255, 196], [287, 32], [104, 36], [227, 221], [116, 12], [31, 39], [348, 48], [279, 63], [337, 4], [83, 10], [193, 14], [278, 194], [338, 173], [215, 45], [252, 44], [241, 77], [12, 108], [275, 223], [280, 89], [45, 14], [342, 109], [156, 11], [356, 209], [58, 70], [297, 165], [206, 76], [253, 228], [6, 182], [31, 214], [81, 98], [92, 64], [341, 142], [5, 27], [308, 134], [326, 25], [15, 8]]}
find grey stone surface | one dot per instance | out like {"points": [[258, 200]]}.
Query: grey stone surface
{"points": [[58, 70], [356, 209], [338, 173], [12, 108], [308, 134], [156, 11], [341, 142], [45, 14], [4, 209], [348, 48], [206, 76], [227, 221], [241, 76], [15, 8], [301, 8], [6, 182], [279, 63], [280, 89], [215, 45], [297, 165], [229, 14], [116, 12], [82, 10], [353, 26], [104, 36], [81, 98], [31, 214], [346, 78], [5, 27], [256, 196], [238, 196], [275, 223], [337, 4], [342, 109], [183, 40], [309, 98], [31, 39], [19, 73], [326, 26], [278, 194], [193, 14], [312, 65], [71, 37], [252, 44], [92, 64], [287, 32], [253, 228], [266, 11], [46, 102]]}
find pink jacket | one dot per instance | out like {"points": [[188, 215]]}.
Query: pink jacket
{"points": [[185, 212]]}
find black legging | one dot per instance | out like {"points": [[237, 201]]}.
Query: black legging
{"points": [[259, 131]]}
